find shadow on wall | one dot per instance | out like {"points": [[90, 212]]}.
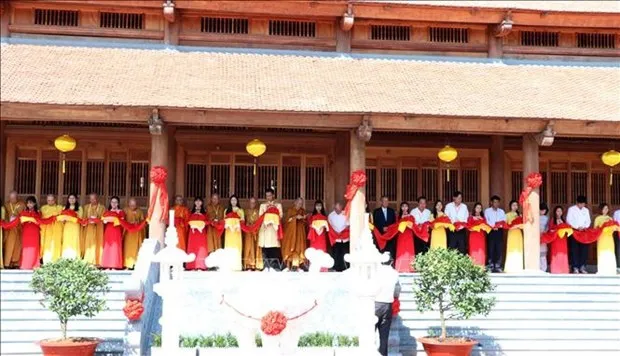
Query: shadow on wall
{"points": [[487, 345]]}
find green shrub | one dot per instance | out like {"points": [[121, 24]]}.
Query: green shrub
{"points": [[452, 284], [318, 339], [71, 288]]}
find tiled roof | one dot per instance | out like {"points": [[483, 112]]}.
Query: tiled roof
{"points": [[270, 82], [560, 6]]}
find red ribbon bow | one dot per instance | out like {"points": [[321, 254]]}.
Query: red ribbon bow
{"points": [[158, 177], [533, 181], [358, 180]]}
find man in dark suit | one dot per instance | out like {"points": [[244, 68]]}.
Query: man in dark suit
{"points": [[383, 217]]}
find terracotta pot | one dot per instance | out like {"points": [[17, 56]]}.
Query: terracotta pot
{"points": [[69, 347], [449, 347]]}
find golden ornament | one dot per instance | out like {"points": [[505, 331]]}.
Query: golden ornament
{"points": [[256, 148], [64, 144], [611, 158], [447, 155]]}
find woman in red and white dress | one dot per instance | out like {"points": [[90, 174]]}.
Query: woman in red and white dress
{"points": [[112, 257], [197, 240]]}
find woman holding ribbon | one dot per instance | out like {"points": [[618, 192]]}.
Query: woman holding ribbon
{"points": [[439, 223], [197, 240], [112, 257], [72, 227], [233, 219], [478, 228], [606, 259], [514, 244]]}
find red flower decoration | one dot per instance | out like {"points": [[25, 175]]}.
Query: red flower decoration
{"points": [[533, 181], [273, 323], [395, 307], [158, 177], [133, 309]]}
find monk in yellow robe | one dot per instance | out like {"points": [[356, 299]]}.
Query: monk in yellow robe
{"points": [[51, 234], [132, 240], [12, 238], [92, 236], [294, 242], [215, 212], [252, 254], [181, 218]]}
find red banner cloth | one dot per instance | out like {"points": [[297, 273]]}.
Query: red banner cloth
{"points": [[158, 177], [357, 181], [421, 231]]}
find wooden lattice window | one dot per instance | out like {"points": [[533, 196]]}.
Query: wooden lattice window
{"points": [[73, 174], [244, 181], [220, 179], [543, 188], [49, 17], [195, 180], [26, 172], [267, 178], [94, 174], [292, 28], [516, 183], [449, 187], [117, 174], [559, 185], [49, 172], [579, 180], [225, 25], [598, 185], [596, 40], [615, 190], [471, 185], [389, 179], [371, 183], [390, 33], [540, 38], [448, 34], [139, 180], [429, 184], [122, 20], [410, 184], [315, 178], [291, 177]]}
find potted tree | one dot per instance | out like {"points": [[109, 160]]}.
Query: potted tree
{"points": [[453, 285], [70, 288]]}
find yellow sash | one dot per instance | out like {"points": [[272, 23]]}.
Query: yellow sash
{"points": [[320, 225]]}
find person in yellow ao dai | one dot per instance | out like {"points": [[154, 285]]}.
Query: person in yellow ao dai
{"points": [[132, 240], [71, 229], [232, 227], [606, 259], [514, 244], [51, 234]]}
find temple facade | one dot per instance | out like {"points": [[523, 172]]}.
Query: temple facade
{"points": [[329, 87]]}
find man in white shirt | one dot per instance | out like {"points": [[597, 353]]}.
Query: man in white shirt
{"points": [[388, 288], [421, 216], [458, 213], [339, 222], [578, 217], [494, 216], [617, 240], [268, 233]]}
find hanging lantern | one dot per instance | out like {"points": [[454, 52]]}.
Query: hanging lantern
{"points": [[611, 158], [256, 148], [447, 155], [64, 144]]}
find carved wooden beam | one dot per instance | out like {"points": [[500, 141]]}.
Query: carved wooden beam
{"points": [[346, 24], [156, 124], [364, 130], [505, 27], [169, 10]]}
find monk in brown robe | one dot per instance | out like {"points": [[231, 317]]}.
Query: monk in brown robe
{"points": [[181, 217], [12, 248], [252, 254], [91, 243], [215, 212], [294, 242]]}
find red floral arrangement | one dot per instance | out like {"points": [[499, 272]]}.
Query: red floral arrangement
{"points": [[273, 323], [533, 181], [133, 309], [396, 307], [158, 177], [357, 181]]}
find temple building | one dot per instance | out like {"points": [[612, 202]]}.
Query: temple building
{"points": [[329, 87]]}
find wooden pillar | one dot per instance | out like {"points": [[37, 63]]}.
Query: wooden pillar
{"points": [[159, 157], [495, 44], [172, 161], [5, 16], [3, 154], [180, 173], [496, 169], [342, 164], [9, 164], [531, 229], [358, 139]]}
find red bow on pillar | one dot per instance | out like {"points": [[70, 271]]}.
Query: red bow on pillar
{"points": [[533, 181], [358, 180], [158, 176]]}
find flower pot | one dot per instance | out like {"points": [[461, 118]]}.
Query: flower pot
{"points": [[69, 347], [448, 347]]}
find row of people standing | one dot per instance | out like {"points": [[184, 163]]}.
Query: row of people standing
{"points": [[480, 234], [264, 236], [109, 238]]}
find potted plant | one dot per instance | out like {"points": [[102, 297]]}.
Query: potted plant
{"points": [[70, 288], [453, 285]]}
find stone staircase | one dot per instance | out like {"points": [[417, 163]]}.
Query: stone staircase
{"points": [[23, 320], [534, 315]]}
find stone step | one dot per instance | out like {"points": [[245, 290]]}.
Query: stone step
{"points": [[568, 315], [510, 334], [44, 314], [35, 305], [74, 324], [8, 295], [516, 325], [533, 297]]}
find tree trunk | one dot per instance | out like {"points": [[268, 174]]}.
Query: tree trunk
{"points": [[443, 325], [63, 329]]}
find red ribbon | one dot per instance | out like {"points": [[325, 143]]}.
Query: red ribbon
{"points": [[533, 181], [358, 180], [396, 307], [421, 231], [342, 235], [158, 177]]}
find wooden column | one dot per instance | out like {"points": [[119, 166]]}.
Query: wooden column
{"points": [[342, 164], [9, 165], [531, 230], [3, 153], [496, 169], [172, 161], [358, 139], [159, 157], [180, 173]]}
